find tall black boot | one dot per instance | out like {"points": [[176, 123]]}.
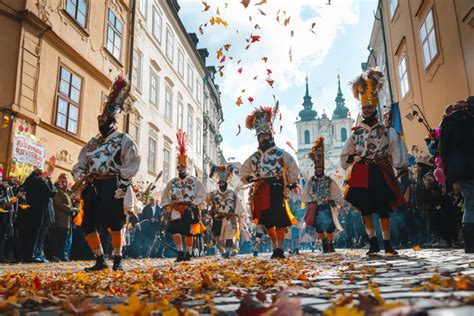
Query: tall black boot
{"points": [[325, 246], [280, 254], [331, 247], [374, 246], [468, 233], [387, 245], [100, 264], [180, 256], [117, 263], [275, 254]]}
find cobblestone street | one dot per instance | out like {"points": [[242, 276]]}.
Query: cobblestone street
{"points": [[434, 280]]}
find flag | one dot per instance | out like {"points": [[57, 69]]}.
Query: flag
{"points": [[397, 119]]}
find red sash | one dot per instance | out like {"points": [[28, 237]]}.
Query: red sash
{"points": [[261, 199], [311, 209], [393, 184], [359, 176]]}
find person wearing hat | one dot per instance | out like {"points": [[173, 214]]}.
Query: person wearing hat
{"points": [[107, 164], [182, 197], [226, 209], [273, 172], [372, 151], [321, 193]]}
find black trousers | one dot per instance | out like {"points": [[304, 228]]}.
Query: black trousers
{"points": [[29, 234], [101, 208], [58, 241]]}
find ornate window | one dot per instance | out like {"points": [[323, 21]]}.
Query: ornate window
{"points": [[307, 137], [343, 134], [77, 9], [114, 35], [68, 98], [403, 73], [157, 25], [428, 39]]}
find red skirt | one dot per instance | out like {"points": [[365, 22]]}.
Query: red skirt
{"points": [[372, 187]]}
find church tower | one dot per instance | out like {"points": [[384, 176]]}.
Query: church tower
{"points": [[341, 120], [307, 130], [335, 131]]}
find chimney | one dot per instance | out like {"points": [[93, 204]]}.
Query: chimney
{"points": [[204, 53], [194, 38]]}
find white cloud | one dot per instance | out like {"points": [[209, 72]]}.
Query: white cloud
{"points": [[308, 50]]}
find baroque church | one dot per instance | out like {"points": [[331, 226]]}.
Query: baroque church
{"points": [[335, 131]]}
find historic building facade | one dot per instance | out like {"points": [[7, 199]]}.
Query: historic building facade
{"points": [[426, 51], [213, 118], [335, 131], [168, 83], [58, 60]]}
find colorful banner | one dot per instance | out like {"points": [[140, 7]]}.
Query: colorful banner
{"points": [[20, 170], [26, 149]]}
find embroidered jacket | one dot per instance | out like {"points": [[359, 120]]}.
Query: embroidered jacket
{"points": [[187, 190], [321, 191], [375, 143], [117, 154], [227, 202], [270, 163]]}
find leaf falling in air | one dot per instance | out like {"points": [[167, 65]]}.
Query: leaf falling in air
{"points": [[239, 101], [206, 7]]}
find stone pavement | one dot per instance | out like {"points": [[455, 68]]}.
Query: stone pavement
{"points": [[429, 281]]}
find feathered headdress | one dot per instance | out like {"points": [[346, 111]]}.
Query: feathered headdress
{"points": [[118, 98], [366, 87], [221, 172], [317, 152], [261, 120], [182, 157]]}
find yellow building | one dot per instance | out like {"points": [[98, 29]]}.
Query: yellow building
{"points": [[58, 59], [430, 56]]}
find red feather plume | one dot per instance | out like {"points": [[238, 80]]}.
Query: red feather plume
{"points": [[181, 137]]}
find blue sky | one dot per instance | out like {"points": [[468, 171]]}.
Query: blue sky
{"points": [[342, 33]]}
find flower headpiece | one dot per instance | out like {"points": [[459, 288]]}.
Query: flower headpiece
{"points": [[261, 120], [366, 87]]}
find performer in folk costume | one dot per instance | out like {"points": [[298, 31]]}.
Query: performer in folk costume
{"points": [[321, 194], [183, 196], [105, 166], [274, 172], [226, 209], [373, 150]]}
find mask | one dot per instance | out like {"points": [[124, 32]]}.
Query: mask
{"points": [[371, 119], [223, 187], [182, 175], [266, 144], [108, 127], [318, 174]]}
